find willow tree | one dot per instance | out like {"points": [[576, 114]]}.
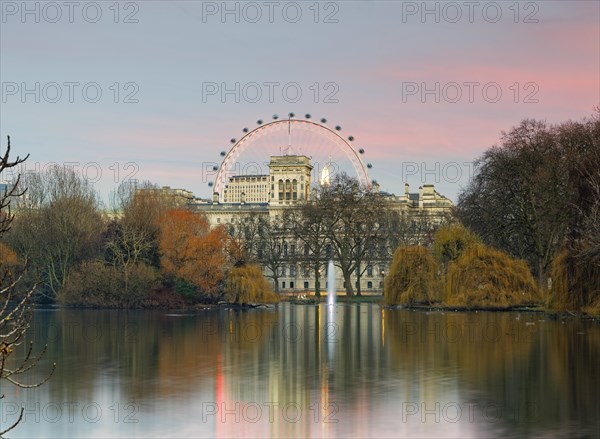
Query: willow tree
{"points": [[15, 306], [246, 285], [482, 277], [413, 278]]}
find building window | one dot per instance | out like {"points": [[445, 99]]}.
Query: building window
{"points": [[281, 189], [218, 220], [283, 284], [369, 270], [306, 285], [369, 285], [288, 190], [292, 285], [292, 270], [293, 249], [295, 189], [285, 249]]}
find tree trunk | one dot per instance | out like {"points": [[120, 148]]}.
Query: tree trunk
{"points": [[358, 276], [348, 282], [542, 278], [317, 282]]}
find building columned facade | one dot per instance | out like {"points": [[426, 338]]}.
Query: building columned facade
{"points": [[289, 183]]}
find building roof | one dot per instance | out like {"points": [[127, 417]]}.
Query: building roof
{"points": [[248, 176]]}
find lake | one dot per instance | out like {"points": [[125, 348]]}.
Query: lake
{"points": [[353, 370]]}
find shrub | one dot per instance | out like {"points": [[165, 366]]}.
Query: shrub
{"points": [[246, 284], [451, 241], [95, 284], [413, 278], [575, 285], [483, 277]]}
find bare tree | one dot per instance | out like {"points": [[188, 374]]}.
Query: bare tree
{"points": [[245, 235], [582, 140], [368, 233], [270, 248], [519, 198], [353, 224], [133, 231], [16, 310], [58, 226], [308, 225]]}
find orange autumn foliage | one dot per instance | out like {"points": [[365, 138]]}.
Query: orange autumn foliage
{"points": [[191, 251], [8, 257]]}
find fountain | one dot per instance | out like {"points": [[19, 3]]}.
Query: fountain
{"points": [[331, 291]]}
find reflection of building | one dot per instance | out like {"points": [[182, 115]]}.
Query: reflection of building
{"points": [[289, 183]]}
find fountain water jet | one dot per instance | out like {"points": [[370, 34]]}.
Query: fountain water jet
{"points": [[331, 291]]}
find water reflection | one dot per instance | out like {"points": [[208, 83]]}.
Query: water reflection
{"points": [[310, 371]]}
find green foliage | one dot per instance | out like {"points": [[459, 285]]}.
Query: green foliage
{"points": [[413, 278], [483, 277], [95, 284], [185, 289], [247, 285], [450, 242], [575, 284]]}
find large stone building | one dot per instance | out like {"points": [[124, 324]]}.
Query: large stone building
{"points": [[289, 183], [247, 189]]}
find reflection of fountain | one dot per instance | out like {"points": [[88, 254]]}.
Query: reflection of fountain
{"points": [[331, 330], [331, 292]]}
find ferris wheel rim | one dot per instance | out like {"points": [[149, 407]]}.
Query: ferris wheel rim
{"points": [[237, 149]]}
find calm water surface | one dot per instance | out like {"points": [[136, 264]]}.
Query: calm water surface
{"points": [[310, 371]]}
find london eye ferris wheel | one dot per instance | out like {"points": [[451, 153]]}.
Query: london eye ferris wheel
{"points": [[330, 152]]}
